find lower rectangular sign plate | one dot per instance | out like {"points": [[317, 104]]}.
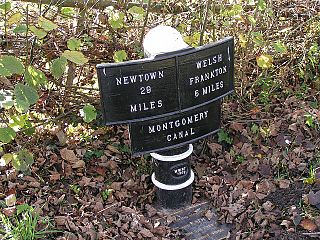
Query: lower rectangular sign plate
{"points": [[176, 130]]}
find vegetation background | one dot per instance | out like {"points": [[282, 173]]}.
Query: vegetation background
{"points": [[66, 176]]}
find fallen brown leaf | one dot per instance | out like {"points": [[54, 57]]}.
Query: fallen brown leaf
{"points": [[214, 148], [60, 220], [146, 233], [308, 224], [62, 138], [68, 155], [113, 149], [284, 183], [314, 198], [79, 164]]}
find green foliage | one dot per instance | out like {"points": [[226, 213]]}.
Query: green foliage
{"points": [[75, 57], [25, 97], [137, 12], [258, 39], [5, 6], [23, 160], [280, 47], [6, 101], [265, 61], [39, 33], [18, 121], [35, 78], [46, 24], [254, 128], [75, 188], [22, 28], [89, 113], [105, 194], [14, 18], [5, 159], [58, 67], [90, 154], [311, 121], [262, 5], [10, 65], [120, 56], [312, 176], [240, 158], [68, 11], [74, 44], [7, 134], [116, 20], [23, 225], [223, 136]]}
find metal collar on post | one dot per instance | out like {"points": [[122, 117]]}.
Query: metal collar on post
{"points": [[174, 157], [172, 187]]}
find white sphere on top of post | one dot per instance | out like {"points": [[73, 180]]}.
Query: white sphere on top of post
{"points": [[162, 39]]}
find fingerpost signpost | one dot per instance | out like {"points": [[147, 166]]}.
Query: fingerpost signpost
{"points": [[169, 99]]}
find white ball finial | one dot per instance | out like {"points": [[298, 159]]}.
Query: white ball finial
{"points": [[162, 39]]}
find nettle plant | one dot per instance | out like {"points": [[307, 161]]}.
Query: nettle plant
{"points": [[23, 80]]}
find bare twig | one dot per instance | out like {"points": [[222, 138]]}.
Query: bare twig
{"points": [[145, 23], [205, 21]]}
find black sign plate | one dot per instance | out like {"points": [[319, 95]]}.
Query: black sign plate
{"points": [[175, 130], [149, 88]]}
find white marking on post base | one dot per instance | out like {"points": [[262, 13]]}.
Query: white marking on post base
{"points": [[173, 187], [174, 157], [229, 54]]}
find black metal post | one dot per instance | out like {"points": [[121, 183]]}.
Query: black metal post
{"points": [[173, 177]]}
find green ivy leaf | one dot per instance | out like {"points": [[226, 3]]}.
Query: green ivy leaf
{"points": [[74, 44], [75, 57], [46, 24], [10, 65], [22, 28], [7, 134], [265, 61], [38, 32], [15, 18], [280, 47], [58, 67], [22, 160], [223, 136], [25, 97], [89, 113], [120, 56], [35, 77]]}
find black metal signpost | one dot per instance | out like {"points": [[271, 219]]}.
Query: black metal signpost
{"points": [[169, 101]]}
